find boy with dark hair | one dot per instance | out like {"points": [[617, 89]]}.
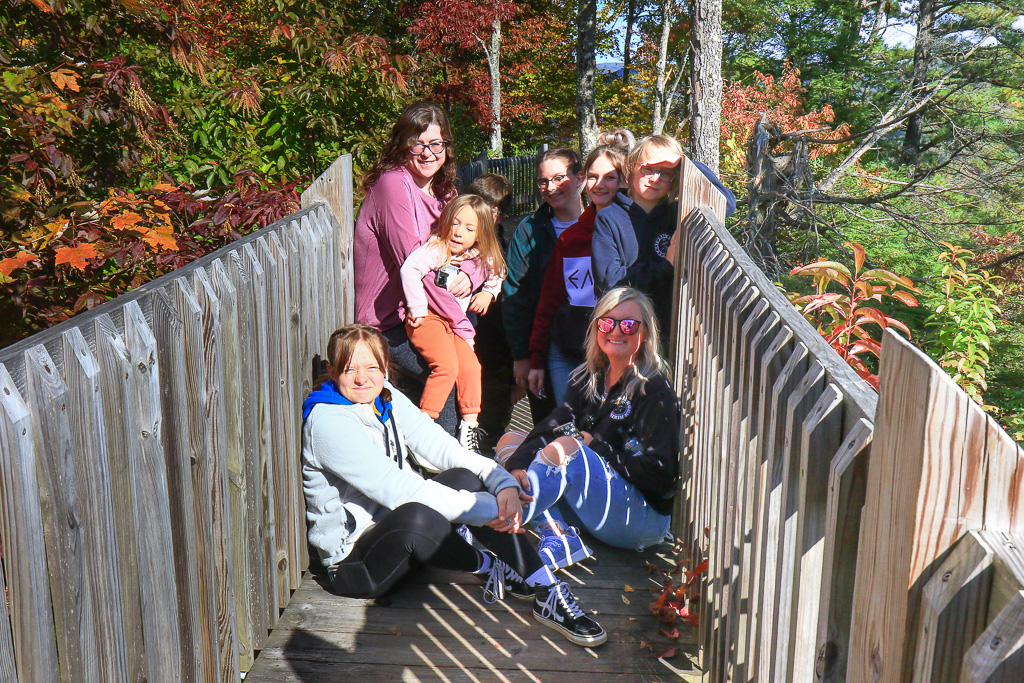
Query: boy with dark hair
{"points": [[492, 348]]}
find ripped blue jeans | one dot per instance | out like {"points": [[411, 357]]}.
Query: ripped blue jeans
{"points": [[609, 507]]}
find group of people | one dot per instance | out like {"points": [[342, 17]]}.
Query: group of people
{"points": [[392, 479]]}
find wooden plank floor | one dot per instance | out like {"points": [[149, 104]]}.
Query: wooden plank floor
{"points": [[437, 628]]}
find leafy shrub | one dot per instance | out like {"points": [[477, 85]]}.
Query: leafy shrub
{"points": [[845, 318]]}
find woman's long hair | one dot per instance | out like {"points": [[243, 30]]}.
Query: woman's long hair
{"points": [[487, 243], [666, 142], [647, 363], [415, 119]]}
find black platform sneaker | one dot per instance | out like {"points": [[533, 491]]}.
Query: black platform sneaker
{"points": [[503, 579], [556, 608]]}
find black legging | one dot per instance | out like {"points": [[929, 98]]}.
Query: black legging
{"points": [[414, 534]]}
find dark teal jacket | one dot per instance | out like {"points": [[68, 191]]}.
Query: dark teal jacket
{"points": [[527, 261]]}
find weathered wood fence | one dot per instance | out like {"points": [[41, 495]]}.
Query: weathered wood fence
{"points": [[518, 170], [151, 512], [849, 535]]}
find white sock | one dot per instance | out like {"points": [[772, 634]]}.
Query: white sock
{"points": [[541, 577], [486, 562]]}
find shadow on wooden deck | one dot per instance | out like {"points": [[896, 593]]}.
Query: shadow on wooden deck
{"points": [[437, 628]]}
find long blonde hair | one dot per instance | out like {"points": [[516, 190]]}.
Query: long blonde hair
{"points": [[666, 142], [647, 363], [487, 244]]}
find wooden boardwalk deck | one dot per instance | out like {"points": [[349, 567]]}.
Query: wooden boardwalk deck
{"points": [[437, 628]]}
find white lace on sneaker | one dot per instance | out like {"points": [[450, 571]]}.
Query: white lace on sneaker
{"points": [[560, 593], [494, 589]]}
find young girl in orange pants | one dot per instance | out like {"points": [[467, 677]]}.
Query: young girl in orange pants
{"points": [[465, 232]]}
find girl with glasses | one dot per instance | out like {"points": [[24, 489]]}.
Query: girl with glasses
{"points": [[632, 238], [607, 458], [405, 192], [559, 179]]}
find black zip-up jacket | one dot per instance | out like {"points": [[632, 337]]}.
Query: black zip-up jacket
{"points": [[639, 437], [527, 261]]}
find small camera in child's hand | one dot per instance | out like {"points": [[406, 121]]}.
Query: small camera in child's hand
{"points": [[445, 275]]}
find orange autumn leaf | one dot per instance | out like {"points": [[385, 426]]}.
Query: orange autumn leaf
{"points": [[160, 239], [125, 221], [164, 187], [42, 5], [65, 78], [76, 256], [19, 260]]}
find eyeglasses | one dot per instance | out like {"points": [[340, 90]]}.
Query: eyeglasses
{"points": [[542, 183], [657, 174], [435, 147], [628, 326]]}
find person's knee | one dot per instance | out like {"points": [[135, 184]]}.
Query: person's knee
{"points": [[460, 478], [507, 445], [422, 520]]}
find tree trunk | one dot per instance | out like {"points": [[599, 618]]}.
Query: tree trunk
{"points": [[706, 81], [494, 64], [661, 99], [922, 60], [627, 53], [586, 69]]}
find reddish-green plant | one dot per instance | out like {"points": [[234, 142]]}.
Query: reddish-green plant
{"points": [[845, 318], [93, 251]]}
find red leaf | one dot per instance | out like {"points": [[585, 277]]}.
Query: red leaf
{"points": [[666, 653], [672, 633]]}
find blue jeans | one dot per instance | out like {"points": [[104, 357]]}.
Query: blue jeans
{"points": [[560, 367], [609, 507]]}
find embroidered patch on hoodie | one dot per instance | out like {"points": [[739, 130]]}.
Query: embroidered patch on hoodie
{"points": [[661, 244]]}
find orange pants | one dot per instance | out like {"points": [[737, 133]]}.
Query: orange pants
{"points": [[452, 362]]}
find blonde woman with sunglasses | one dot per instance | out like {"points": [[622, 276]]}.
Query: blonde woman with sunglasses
{"points": [[608, 457]]}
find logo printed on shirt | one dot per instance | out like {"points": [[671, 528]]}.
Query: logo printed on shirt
{"points": [[621, 410], [661, 244], [579, 280]]}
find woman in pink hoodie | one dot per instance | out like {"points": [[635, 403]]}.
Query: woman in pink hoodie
{"points": [[405, 191]]}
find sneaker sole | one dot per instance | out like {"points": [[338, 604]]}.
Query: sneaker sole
{"points": [[578, 556], [521, 596], [582, 641]]}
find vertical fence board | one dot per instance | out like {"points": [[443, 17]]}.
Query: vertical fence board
{"points": [[770, 367], [214, 413], [276, 380], [747, 312], [21, 528], [998, 655], [148, 472], [264, 463], [178, 397], [85, 408], [249, 484], [296, 527], [954, 606], [755, 337], [799, 405], [63, 511], [233, 368], [847, 478], [1004, 490], [123, 448], [8, 671], [785, 385], [820, 440], [910, 508]]}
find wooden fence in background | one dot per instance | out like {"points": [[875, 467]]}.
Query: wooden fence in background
{"points": [[849, 536], [518, 170], [151, 513]]}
